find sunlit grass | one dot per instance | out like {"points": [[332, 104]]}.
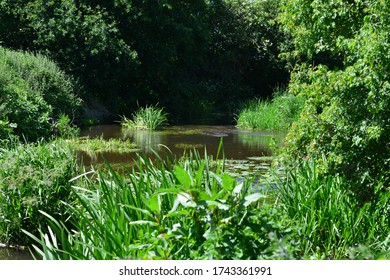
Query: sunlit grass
{"points": [[277, 114], [101, 145], [33, 177], [148, 118], [165, 209], [330, 223]]}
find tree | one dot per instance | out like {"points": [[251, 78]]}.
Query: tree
{"points": [[346, 116], [200, 55]]}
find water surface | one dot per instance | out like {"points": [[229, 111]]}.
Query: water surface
{"points": [[238, 144]]}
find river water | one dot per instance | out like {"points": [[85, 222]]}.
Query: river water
{"points": [[238, 144]]}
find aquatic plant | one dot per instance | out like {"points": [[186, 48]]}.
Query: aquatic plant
{"points": [[277, 114], [147, 118], [100, 145], [329, 220], [169, 209]]}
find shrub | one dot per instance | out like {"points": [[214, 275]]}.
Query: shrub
{"points": [[148, 118], [33, 91], [33, 177], [6, 129], [347, 109]]}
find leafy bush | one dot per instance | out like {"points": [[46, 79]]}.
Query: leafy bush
{"points": [[6, 129], [277, 114], [346, 115], [148, 118], [33, 177], [34, 92], [64, 127]]}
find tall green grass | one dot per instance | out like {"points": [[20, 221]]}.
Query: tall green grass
{"points": [[33, 177], [329, 221], [277, 114], [169, 209], [190, 208], [147, 118]]}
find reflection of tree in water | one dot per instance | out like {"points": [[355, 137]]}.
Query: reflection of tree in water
{"points": [[260, 140]]}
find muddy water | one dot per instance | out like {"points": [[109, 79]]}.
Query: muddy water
{"points": [[14, 254], [238, 144]]}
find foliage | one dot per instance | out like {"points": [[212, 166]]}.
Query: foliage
{"points": [[277, 114], [64, 127], [33, 177], [6, 129], [168, 209], [346, 115], [194, 57], [99, 145], [147, 118], [330, 221], [33, 93]]}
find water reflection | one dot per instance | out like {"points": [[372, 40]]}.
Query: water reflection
{"points": [[145, 138], [14, 254], [238, 144]]}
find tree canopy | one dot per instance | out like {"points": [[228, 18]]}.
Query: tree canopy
{"points": [[193, 57], [346, 115]]}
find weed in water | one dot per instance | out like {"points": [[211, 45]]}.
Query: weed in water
{"points": [[148, 118], [277, 114]]}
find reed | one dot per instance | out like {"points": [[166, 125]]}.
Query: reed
{"points": [[329, 220], [169, 209], [147, 118], [277, 114]]}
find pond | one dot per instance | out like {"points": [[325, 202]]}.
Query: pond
{"points": [[245, 149]]}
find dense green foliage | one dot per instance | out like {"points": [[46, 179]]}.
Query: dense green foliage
{"points": [[148, 118], [33, 177], [192, 57], [346, 115], [330, 222], [191, 209], [185, 209], [34, 93], [277, 114], [197, 58]]}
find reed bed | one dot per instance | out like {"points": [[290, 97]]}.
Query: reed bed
{"points": [[147, 118]]}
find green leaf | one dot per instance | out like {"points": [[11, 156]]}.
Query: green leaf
{"points": [[154, 203], [182, 176], [199, 174], [228, 182], [219, 205], [253, 198]]}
